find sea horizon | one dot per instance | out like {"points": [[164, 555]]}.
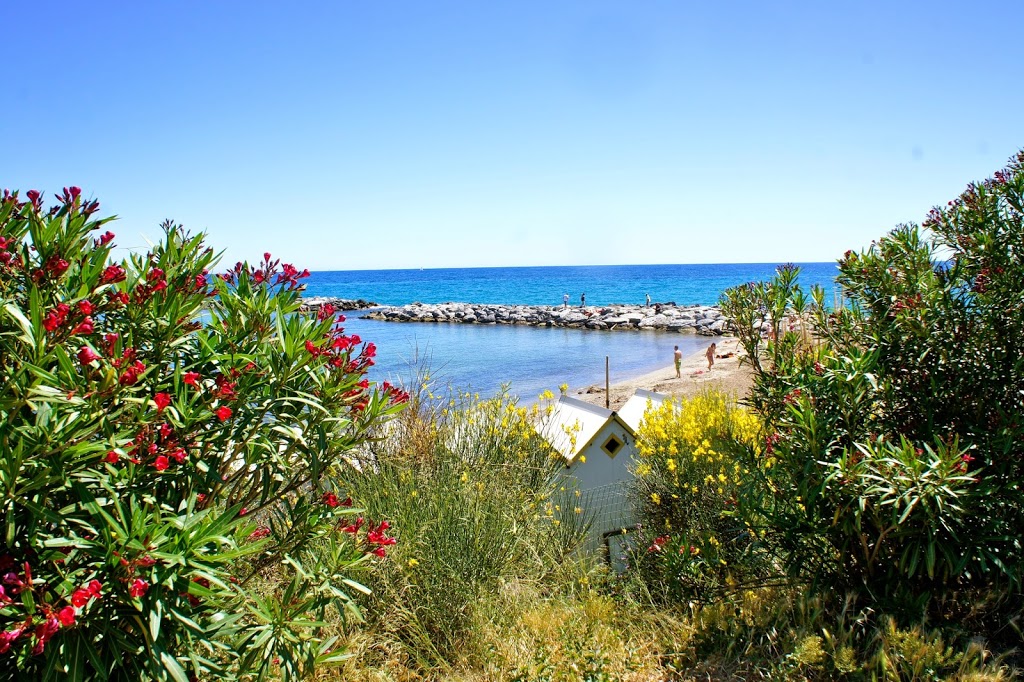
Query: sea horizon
{"points": [[683, 284]]}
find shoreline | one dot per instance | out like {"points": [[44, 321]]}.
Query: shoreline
{"points": [[726, 375]]}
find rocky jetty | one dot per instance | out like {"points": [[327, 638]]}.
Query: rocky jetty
{"points": [[705, 320], [340, 304]]}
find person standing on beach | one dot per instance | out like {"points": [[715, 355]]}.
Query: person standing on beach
{"points": [[649, 304], [679, 362], [565, 300], [710, 355], [583, 300]]}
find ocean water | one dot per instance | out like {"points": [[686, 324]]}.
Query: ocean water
{"points": [[528, 360]]}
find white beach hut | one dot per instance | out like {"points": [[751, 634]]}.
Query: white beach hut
{"points": [[598, 446]]}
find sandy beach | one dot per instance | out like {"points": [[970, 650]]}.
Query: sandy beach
{"points": [[727, 375]]}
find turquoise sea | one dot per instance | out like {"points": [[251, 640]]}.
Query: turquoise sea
{"points": [[529, 359]]}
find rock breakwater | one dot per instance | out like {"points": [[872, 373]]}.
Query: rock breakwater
{"points": [[705, 320], [340, 304]]}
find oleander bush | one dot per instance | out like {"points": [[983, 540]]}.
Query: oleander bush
{"points": [[171, 443], [895, 426]]}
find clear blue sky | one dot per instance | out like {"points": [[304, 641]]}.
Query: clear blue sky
{"points": [[345, 135]]}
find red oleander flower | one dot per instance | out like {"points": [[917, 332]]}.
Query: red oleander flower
{"points": [[56, 317], [66, 616], [138, 588], [161, 463], [84, 327], [112, 457], [190, 378], [162, 400], [312, 349], [260, 533], [57, 266], [330, 499], [223, 413], [113, 273], [154, 274], [87, 355], [44, 633], [353, 528], [95, 588], [105, 238], [179, 455], [129, 377], [80, 597], [658, 544], [86, 307]]}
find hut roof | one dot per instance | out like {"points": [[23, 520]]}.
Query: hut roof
{"points": [[633, 411], [573, 424]]}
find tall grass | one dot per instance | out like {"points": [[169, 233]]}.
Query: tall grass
{"points": [[475, 499]]}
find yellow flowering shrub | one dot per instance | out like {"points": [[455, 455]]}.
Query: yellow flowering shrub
{"points": [[690, 467]]}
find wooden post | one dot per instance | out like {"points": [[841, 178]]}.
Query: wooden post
{"points": [[607, 386]]}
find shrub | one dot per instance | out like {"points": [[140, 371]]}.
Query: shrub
{"points": [[166, 436], [895, 431], [688, 473]]}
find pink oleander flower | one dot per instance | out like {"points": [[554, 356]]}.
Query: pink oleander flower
{"points": [[161, 463], [8, 637]]}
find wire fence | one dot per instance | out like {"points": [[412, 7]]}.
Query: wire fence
{"points": [[611, 513]]}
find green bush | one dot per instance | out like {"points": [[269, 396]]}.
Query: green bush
{"points": [[894, 420], [166, 436]]}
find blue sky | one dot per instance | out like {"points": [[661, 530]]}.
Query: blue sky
{"points": [[343, 135]]}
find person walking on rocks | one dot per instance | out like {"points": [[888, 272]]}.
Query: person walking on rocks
{"points": [[710, 355], [565, 300], [583, 300], [648, 300], [679, 362]]}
